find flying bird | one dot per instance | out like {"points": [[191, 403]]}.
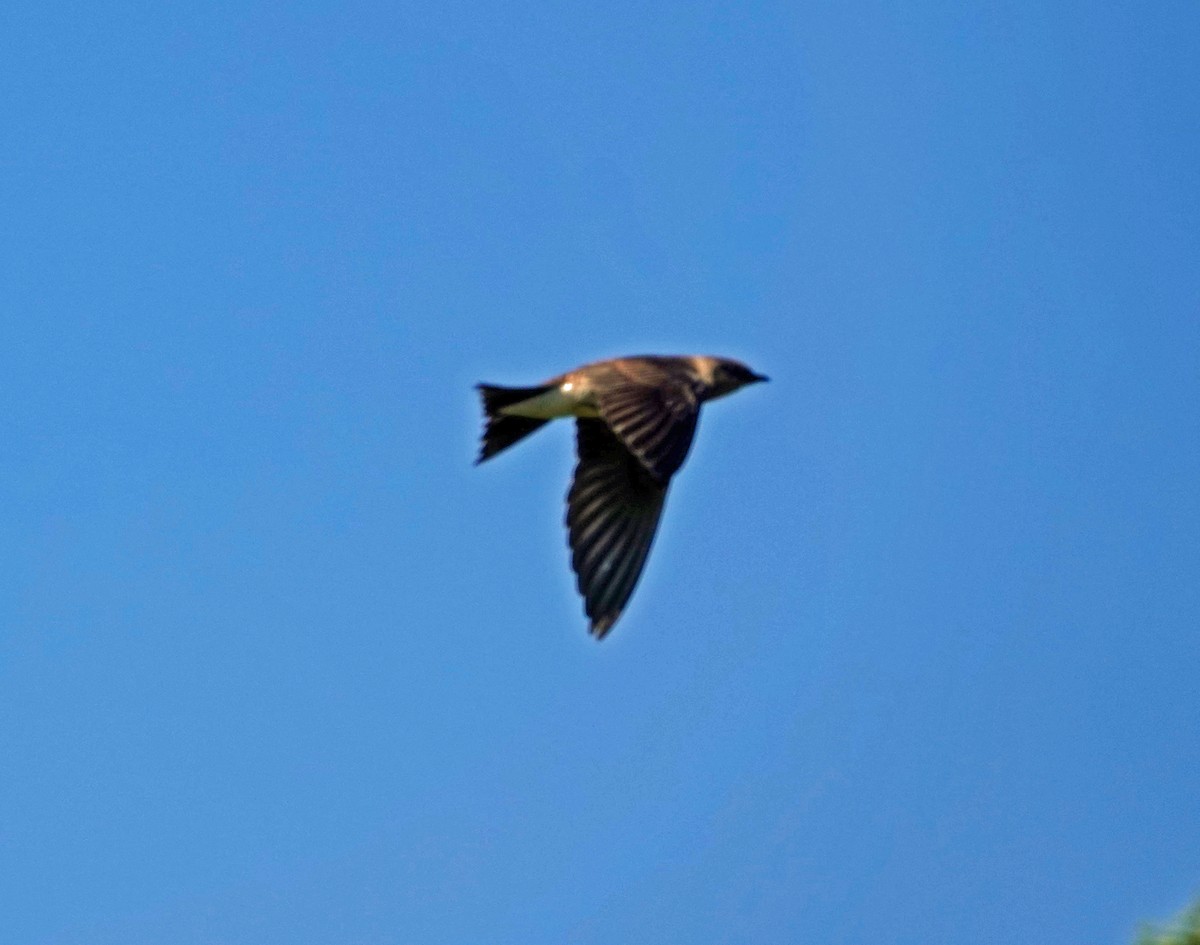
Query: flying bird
{"points": [[634, 422]]}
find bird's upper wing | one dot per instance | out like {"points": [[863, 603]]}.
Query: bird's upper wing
{"points": [[654, 414], [613, 510]]}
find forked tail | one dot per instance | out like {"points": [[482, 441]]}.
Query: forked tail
{"points": [[502, 430]]}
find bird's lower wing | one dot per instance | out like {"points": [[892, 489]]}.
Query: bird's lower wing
{"points": [[613, 510], [655, 422]]}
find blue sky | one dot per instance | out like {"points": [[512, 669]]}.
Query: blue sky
{"points": [[914, 658]]}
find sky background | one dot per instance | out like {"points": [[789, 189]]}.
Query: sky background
{"points": [[914, 658]]}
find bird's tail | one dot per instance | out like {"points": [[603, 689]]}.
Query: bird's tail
{"points": [[502, 430]]}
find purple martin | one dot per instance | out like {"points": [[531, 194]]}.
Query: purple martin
{"points": [[634, 422]]}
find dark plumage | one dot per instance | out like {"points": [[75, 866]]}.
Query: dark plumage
{"points": [[635, 419]]}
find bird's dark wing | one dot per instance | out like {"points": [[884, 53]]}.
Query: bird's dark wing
{"points": [[655, 421], [612, 513]]}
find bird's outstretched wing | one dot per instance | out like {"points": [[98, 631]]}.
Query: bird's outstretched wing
{"points": [[613, 509], [654, 416]]}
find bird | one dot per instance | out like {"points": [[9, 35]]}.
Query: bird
{"points": [[635, 418]]}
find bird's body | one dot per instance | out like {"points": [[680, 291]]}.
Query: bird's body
{"points": [[635, 419], [564, 399]]}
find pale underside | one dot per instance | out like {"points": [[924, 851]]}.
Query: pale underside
{"points": [[563, 401]]}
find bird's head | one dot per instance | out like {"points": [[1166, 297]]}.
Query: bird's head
{"points": [[729, 375]]}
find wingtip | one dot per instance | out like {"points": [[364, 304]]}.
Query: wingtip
{"points": [[600, 627]]}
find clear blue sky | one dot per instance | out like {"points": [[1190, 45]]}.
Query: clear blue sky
{"points": [[915, 657]]}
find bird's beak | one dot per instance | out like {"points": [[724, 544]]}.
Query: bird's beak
{"points": [[759, 378]]}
